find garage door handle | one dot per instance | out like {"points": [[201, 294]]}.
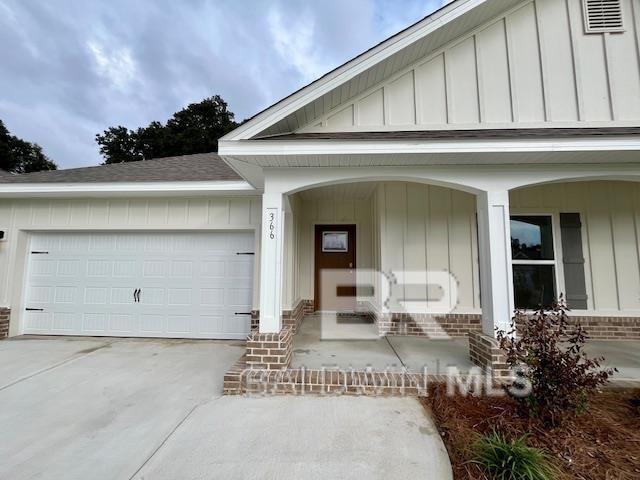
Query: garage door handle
{"points": [[136, 295], [34, 309], [242, 313]]}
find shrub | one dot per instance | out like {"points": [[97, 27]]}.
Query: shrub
{"points": [[504, 459], [547, 352]]}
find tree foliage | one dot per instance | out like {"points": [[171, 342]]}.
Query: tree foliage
{"points": [[194, 129], [20, 156]]}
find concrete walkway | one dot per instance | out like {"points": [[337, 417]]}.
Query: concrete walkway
{"points": [[78, 408], [394, 352]]}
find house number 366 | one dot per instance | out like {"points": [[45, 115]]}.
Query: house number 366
{"points": [[272, 226]]}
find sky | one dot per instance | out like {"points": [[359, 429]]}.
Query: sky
{"points": [[70, 69]]}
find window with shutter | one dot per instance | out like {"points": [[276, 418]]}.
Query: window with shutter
{"points": [[603, 16]]}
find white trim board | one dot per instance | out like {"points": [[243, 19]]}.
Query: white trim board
{"points": [[349, 70], [129, 188]]}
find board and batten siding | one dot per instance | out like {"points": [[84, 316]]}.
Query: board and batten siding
{"points": [[328, 210], [532, 66], [610, 217], [18, 217], [429, 228]]}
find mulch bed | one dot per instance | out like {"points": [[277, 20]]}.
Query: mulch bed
{"points": [[601, 444]]}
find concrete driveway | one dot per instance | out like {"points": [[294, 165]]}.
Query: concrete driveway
{"points": [[79, 408]]}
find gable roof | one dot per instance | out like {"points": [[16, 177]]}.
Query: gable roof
{"points": [[370, 68], [184, 168]]}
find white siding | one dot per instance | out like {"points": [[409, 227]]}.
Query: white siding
{"points": [[18, 217], [531, 66], [428, 228], [327, 210], [610, 214]]}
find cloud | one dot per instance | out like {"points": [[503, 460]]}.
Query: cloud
{"points": [[71, 68]]}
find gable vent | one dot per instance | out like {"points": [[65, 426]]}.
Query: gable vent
{"points": [[603, 16]]}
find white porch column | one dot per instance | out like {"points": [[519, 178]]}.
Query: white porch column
{"points": [[271, 260], [494, 251]]}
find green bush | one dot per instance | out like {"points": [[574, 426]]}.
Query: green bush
{"points": [[504, 459], [554, 376]]}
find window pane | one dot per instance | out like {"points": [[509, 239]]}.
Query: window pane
{"points": [[533, 285], [531, 238]]}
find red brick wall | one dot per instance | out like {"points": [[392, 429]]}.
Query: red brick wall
{"points": [[270, 351], [290, 318], [4, 322], [610, 328], [484, 352], [429, 325]]}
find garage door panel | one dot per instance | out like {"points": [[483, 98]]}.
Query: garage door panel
{"points": [[94, 322], [152, 324], [191, 284], [212, 297], [43, 268], [181, 269], [65, 321], [68, 268], [65, 294], [178, 324], [39, 321]]}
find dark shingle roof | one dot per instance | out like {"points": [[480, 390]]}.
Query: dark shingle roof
{"points": [[477, 134], [185, 168]]}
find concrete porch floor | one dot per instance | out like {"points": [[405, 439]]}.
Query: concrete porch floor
{"points": [[394, 352], [312, 352]]}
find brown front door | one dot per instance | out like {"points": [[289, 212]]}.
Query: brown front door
{"points": [[335, 254]]}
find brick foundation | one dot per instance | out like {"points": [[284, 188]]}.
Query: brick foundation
{"points": [[234, 378], [293, 318], [290, 318], [610, 328], [485, 352], [241, 380], [5, 314], [428, 325], [270, 351]]}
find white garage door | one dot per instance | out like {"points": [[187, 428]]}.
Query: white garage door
{"points": [[177, 285]]}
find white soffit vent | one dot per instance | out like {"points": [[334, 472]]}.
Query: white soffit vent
{"points": [[602, 16]]}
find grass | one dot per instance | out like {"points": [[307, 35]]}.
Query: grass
{"points": [[505, 459]]}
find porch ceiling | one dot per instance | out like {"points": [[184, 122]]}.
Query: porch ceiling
{"points": [[353, 191]]}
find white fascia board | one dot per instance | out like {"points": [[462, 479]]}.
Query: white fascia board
{"points": [[373, 147], [349, 70], [129, 189]]}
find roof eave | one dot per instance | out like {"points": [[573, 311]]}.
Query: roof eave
{"points": [[131, 189], [350, 69]]}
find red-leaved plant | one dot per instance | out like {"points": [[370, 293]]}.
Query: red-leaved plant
{"points": [[547, 352]]}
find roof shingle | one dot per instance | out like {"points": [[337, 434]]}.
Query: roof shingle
{"points": [[185, 168]]}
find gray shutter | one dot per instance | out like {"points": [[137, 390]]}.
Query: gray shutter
{"points": [[573, 261]]}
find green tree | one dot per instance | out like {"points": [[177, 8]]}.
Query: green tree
{"points": [[194, 129], [20, 156], [119, 144]]}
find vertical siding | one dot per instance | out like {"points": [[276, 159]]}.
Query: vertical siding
{"points": [[533, 65], [327, 210], [428, 228], [114, 214], [610, 212]]}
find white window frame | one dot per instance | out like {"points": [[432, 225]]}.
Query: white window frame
{"points": [[558, 276]]}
